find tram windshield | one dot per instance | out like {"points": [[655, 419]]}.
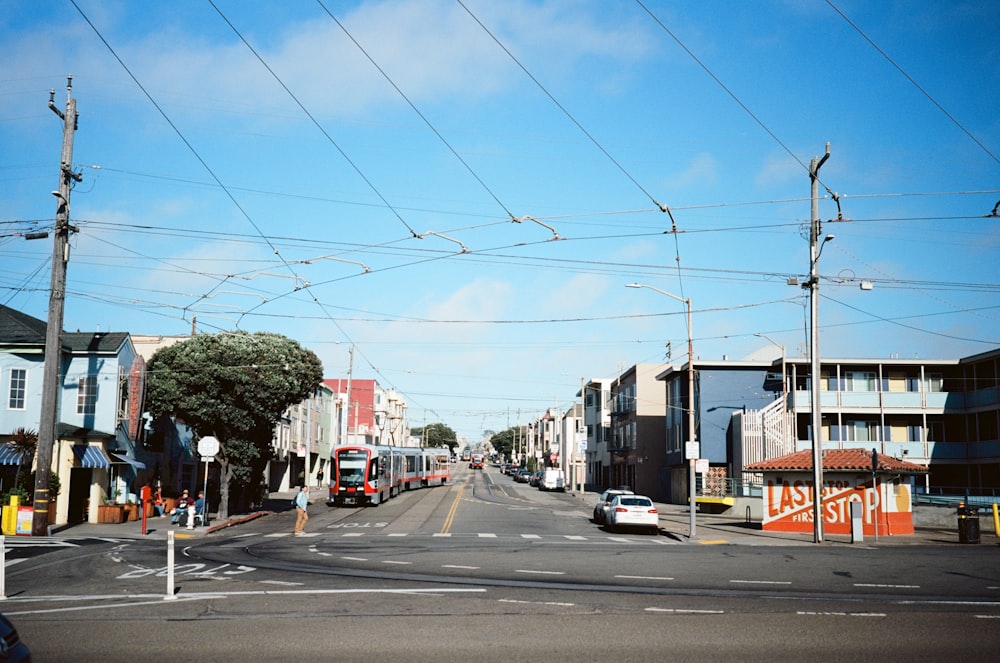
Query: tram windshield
{"points": [[351, 467]]}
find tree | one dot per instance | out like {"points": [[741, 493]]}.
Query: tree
{"points": [[23, 441], [503, 442], [235, 387], [437, 435]]}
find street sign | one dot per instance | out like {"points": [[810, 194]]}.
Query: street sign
{"points": [[691, 450], [701, 466], [208, 446]]}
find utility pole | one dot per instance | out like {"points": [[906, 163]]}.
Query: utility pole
{"points": [[53, 330], [350, 371], [817, 421]]}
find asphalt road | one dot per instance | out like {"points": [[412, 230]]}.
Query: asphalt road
{"points": [[490, 569]]}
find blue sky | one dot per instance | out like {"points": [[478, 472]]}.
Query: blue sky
{"points": [[353, 180]]}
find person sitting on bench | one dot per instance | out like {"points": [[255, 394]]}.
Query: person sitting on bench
{"points": [[196, 511], [183, 502]]}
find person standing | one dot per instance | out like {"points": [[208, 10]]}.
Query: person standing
{"points": [[301, 516]]}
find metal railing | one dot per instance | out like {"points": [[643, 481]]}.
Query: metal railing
{"points": [[726, 488]]}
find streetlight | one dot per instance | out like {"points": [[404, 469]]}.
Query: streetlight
{"points": [[690, 453]]}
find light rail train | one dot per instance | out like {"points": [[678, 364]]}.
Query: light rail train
{"points": [[367, 475]]}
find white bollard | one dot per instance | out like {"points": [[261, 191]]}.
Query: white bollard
{"points": [[170, 566], [3, 567]]}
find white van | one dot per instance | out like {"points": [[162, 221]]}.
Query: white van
{"points": [[552, 480]]}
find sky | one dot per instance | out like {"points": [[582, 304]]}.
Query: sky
{"points": [[461, 190]]}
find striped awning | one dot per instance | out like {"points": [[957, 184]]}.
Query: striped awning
{"points": [[9, 455], [90, 456], [118, 458]]}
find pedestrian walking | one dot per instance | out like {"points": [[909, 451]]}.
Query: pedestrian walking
{"points": [[301, 515]]}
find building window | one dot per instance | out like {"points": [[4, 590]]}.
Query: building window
{"points": [[859, 381], [86, 395], [18, 387], [862, 431], [913, 433], [935, 382], [122, 394]]}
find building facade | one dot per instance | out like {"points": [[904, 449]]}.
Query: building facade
{"points": [[95, 455]]}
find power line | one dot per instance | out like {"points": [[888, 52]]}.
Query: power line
{"points": [[915, 84]]}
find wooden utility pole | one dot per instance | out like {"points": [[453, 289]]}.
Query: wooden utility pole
{"points": [[51, 384]]}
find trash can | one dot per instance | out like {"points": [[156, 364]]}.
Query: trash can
{"points": [[968, 524]]}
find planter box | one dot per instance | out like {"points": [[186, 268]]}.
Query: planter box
{"points": [[132, 511], [111, 513]]}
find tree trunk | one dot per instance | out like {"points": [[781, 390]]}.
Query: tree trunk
{"points": [[225, 474]]}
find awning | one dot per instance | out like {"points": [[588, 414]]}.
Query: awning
{"points": [[120, 458], [10, 456], [90, 456]]}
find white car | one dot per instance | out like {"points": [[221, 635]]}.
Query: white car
{"points": [[632, 511], [601, 508]]}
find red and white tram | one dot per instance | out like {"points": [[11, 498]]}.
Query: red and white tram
{"points": [[362, 475]]}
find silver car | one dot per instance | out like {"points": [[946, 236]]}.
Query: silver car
{"points": [[601, 508]]}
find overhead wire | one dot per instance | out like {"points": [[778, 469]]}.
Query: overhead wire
{"points": [[913, 81], [191, 148], [416, 110]]}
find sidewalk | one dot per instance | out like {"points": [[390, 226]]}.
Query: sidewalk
{"points": [[157, 528], [720, 529]]}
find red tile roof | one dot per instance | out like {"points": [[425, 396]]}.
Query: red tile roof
{"points": [[848, 460]]}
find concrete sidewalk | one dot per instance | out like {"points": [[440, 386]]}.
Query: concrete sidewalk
{"points": [[157, 527], [721, 529]]}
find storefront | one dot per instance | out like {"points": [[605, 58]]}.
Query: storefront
{"points": [[881, 484]]}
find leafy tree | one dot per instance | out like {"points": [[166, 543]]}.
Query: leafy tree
{"points": [[503, 442], [437, 435], [235, 387]]}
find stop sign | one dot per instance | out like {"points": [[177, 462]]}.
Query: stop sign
{"points": [[208, 446]]}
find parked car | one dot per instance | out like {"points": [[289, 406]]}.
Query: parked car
{"points": [[522, 476], [11, 646], [535, 479], [600, 509], [632, 511]]}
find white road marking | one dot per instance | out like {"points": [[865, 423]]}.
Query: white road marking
{"points": [[445, 534], [839, 614], [355, 559], [487, 535], [559, 603], [530, 536], [865, 584], [547, 573], [761, 582], [459, 566], [281, 582], [644, 577], [687, 612], [393, 561]]}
